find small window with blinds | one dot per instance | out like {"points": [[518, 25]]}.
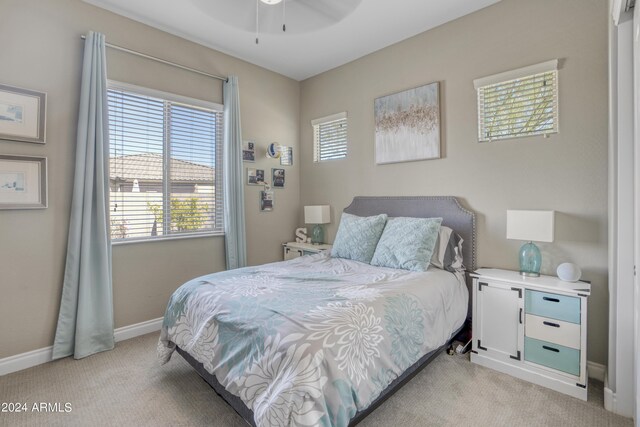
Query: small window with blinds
{"points": [[330, 137], [165, 158], [518, 103]]}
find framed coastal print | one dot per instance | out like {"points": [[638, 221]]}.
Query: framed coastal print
{"points": [[22, 114], [277, 178], [23, 182], [255, 176], [408, 125]]}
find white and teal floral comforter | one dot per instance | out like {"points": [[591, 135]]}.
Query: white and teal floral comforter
{"points": [[313, 340]]}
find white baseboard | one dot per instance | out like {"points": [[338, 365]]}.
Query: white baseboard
{"points": [[609, 396], [43, 355], [596, 370], [25, 360], [142, 328], [617, 403], [609, 400]]}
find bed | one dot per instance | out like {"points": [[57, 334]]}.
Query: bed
{"points": [[319, 340]]}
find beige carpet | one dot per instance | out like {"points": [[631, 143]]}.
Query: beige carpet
{"points": [[126, 387]]}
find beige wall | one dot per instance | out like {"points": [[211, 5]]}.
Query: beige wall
{"points": [[566, 172], [42, 50]]}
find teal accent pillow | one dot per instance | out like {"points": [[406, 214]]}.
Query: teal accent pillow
{"points": [[358, 236], [407, 243]]}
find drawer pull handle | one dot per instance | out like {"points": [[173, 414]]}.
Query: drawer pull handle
{"points": [[555, 325], [555, 350], [551, 299]]}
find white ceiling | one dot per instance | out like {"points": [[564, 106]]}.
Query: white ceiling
{"points": [[321, 34]]}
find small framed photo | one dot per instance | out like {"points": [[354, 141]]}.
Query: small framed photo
{"points": [[22, 114], [249, 151], [255, 176], [277, 178], [23, 182], [286, 157], [266, 201]]}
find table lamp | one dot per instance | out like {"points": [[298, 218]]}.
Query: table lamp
{"points": [[318, 215], [530, 226]]}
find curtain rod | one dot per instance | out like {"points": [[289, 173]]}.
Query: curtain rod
{"points": [[154, 58]]}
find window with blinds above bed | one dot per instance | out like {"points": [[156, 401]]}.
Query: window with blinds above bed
{"points": [[330, 137], [518, 103]]}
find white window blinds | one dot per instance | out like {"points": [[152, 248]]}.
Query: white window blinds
{"points": [[517, 103], [165, 158], [330, 137]]}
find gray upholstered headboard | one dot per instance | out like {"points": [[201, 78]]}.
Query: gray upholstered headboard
{"points": [[453, 215]]}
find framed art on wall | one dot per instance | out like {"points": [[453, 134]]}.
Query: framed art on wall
{"points": [[249, 151], [22, 114], [277, 178], [408, 125], [266, 201], [23, 182], [255, 176], [286, 156]]}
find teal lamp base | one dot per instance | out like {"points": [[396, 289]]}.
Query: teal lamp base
{"points": [[317, 234], [530, 260]]}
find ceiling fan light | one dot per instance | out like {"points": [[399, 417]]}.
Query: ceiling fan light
{"points": [[271, 2]]}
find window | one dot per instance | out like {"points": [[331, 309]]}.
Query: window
{"points": [[521, 102], [165, 157], [330, 137]]}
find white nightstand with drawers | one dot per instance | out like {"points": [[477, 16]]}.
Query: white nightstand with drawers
{"points": [[293, 250], [532, 328]]}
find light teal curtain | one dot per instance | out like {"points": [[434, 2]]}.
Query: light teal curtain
{"points": [[234, 226], [85, 322]]}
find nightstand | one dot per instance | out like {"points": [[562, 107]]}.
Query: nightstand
{"points": [[533, 328], [294, 249]]}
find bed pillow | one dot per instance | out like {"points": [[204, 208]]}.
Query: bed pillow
{"points": [[407, 243], [447, 253], [358, 236]]}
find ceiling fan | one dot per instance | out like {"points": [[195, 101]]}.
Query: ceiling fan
{"points": [[270, 3], [273, 16]]}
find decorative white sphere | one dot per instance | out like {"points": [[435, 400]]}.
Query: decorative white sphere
{"points": [[569, 272]]}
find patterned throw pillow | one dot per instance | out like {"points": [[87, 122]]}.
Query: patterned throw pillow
{"points": [[407, 243], [358, 236]]}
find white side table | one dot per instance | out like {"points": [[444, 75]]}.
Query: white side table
{"points": [[534, 328], [294, 249]]}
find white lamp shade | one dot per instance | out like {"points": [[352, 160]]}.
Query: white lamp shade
{"points": [[534, 226], [320, 214]]}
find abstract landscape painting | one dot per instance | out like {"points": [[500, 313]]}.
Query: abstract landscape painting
{"points": [[408, 125]]}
